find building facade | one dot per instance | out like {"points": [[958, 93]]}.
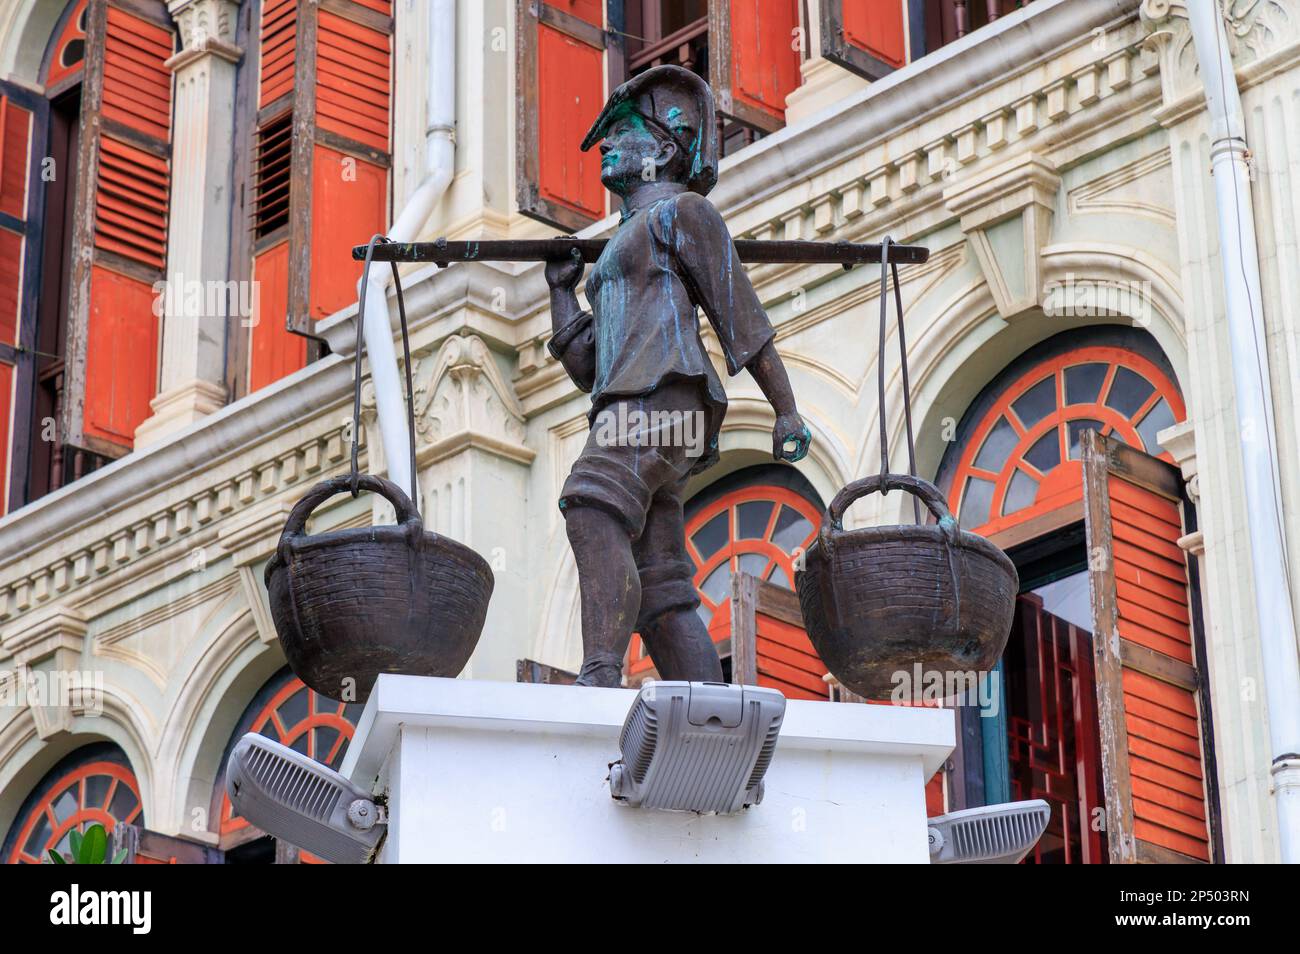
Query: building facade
{"points": [[182, 186]]}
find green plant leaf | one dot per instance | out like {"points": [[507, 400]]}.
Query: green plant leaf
{"points": [[94, 846], [75, 840], [119, 857], [56, 858]]}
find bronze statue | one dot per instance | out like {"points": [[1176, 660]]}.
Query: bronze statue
{"points": [[657, 403]]}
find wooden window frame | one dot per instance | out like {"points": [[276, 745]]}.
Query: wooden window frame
{"points": [[21, 354], [85, 255], [529, 15], [1103, 459], [838, 50]]}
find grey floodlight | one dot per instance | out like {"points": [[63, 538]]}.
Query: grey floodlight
{"points": [[697, 746], [293, 797], [994, 834]]}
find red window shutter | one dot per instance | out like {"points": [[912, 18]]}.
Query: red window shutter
{"points": [[322, 161], [276, 352], [353, 63], [121, 223], [22, 121], [349, 199], [867, 38], [754, 61], [1157, 745], [560, 73], [276, 48]]}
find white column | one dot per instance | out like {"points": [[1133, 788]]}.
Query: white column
{"points": [[198, 240]]}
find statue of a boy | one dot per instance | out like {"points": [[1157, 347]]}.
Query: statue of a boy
{"points": [[657, 403]]}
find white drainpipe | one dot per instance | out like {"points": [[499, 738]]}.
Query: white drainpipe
{"points": [[439, 163], [1243, 300]]}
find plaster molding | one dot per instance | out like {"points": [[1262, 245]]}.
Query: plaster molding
{"points": [[50, 642], [1023, 189], [1106, 193], [205, 28], [1257, 30], [461, 401], [54, 631]]}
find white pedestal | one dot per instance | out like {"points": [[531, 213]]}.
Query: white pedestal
{"points": [[497, 771]]}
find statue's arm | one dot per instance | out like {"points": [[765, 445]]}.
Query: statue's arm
{"points": [[571, 341], [722, 288]]}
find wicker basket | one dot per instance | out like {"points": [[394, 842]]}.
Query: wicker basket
{"points": [[350, 604], [880, 600]]}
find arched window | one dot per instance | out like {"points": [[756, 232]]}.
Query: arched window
{"points": [[288, 712], [753, 521], [1019, 454], [93, 784], [67, 53]]}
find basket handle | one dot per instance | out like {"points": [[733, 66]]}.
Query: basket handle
{"points": [[407, 516], [927, 492]]}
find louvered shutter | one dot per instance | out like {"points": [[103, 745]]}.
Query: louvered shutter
{"points": [[560, 77], [754, 58], [22, 131], [867, 38], [1152, 700], [120, 227], [322, 156]]}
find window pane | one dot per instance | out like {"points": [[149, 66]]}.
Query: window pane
{"points": [[997, 447], [1046, 452], [1128, 392], [66, 805], [326, 736], [711, 537], [39, 836], [717, 585], [752, 517], [124, 802], [777, 576], [1021, 492], [294, 709], [97, 790], [792, 529], [1036, 403], [1076, 428], [752, 563], [975, 502], [1083, 383], [1156, 420]]}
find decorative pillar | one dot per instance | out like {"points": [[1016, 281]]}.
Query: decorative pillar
{"points": [[198, 299], [1259, 36], [473, 469]]}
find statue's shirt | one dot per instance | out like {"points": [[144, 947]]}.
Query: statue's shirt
{"points": [[663, 261]]}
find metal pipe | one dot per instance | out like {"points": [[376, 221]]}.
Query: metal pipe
{"points": [[440, 150], [1243, 301]]}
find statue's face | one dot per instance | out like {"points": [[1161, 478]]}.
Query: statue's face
{"points": [[630, 154]]}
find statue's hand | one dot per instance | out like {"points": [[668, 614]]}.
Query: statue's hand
{"points": [[565, 273], [790, 429]]}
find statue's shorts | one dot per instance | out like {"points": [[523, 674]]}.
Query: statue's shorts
{"points": [[637, 459]]}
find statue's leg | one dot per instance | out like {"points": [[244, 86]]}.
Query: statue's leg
{"points": [[610, 592], [673, 632]]}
